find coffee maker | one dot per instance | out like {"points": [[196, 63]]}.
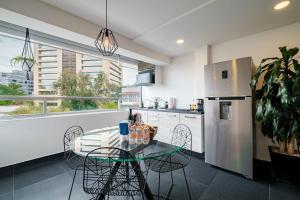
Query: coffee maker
{"points": [[200, 104]]}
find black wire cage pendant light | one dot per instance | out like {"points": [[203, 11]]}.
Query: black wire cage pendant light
{"points": [[106, 42], [27, 56]]}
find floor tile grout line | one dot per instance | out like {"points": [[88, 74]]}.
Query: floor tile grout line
{"points": [[208, 185]]}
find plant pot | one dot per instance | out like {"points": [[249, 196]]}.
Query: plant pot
{"points": [[285, 166], [291, 146]]}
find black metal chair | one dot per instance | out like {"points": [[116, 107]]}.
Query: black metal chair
{"points": [[109, 171], [182, 143], [73, 160]]}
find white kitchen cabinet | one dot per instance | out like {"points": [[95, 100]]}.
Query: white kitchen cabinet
{"points": [[195, 122], [153, 118], [167, 122]]}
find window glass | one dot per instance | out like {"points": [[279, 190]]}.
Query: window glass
{"points": [[62, 72]]}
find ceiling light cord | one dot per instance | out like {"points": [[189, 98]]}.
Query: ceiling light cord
{"points": [[106, 16]]}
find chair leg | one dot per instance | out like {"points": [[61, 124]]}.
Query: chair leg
{"points": [[187, 185], [158, 185], [143, 195], [74, 176], [172, 176], [147, 172]]}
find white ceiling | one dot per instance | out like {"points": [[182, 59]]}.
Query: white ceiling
{"points": [[157, 24]]}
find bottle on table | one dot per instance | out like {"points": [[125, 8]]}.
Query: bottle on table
{"points": [[130, 117], [139, 135], [132, 134], [146, 135]]}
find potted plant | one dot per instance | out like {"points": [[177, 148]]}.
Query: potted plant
{"points": [[277, 91], [27, 64]]}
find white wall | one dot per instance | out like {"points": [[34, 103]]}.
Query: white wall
{"points": [[31, 138], [183, 79], [258, 46]]}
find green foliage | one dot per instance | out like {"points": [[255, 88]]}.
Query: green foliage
{"points": [[29, 108], [67, 83], [10, 89], [109, 105], [115, 90], [278, 98], [101, 85], [20, 59], [81, 85], [58, 109]]}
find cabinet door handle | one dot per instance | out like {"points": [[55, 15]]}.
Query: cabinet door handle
{"points": [[172, 115], [190, 117]]}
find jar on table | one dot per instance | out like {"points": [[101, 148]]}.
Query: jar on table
{"points": [[132, 134]]}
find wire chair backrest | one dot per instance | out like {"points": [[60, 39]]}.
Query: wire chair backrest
{"points": [[182, 138], [69, 138], [109, 165]]}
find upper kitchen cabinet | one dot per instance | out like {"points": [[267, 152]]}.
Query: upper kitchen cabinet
{"points": [[148, 74], [225, 78]]}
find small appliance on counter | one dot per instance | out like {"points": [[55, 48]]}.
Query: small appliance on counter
{"points": [[172, 103], [200, 103], [197, 106], [156, 103], [166, 105]]}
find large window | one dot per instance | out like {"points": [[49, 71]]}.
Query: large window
{"points": [[61, 72]]}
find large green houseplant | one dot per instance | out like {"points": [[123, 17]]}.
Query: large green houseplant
{"points": [[277, 90]]}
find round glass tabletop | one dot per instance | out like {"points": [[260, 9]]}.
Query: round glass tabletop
{"points": [[105, 144]]}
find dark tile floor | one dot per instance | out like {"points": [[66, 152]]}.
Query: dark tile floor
{"points": [[50, 180]]}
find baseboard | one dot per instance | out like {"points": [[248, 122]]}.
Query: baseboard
{"points": [[34, 161], [198, 155]]}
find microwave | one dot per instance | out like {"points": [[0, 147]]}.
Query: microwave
{"points": [[145, 78]]}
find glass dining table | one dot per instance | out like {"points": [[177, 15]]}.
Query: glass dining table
{"points": [[110, 137]]}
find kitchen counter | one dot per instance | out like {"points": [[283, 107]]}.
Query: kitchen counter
{"points": [[167, 119], [169, 110]]}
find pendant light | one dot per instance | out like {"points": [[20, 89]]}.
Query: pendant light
{"points": [[27, 56], [106, 42]]}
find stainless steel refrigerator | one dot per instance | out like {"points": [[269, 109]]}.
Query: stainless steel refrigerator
{"points": [[228, 116]]}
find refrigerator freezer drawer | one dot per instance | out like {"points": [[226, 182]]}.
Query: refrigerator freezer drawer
{"points": [[229, 134]]}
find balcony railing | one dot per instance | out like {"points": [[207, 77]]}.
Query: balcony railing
{"points": [[13, 106]]}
